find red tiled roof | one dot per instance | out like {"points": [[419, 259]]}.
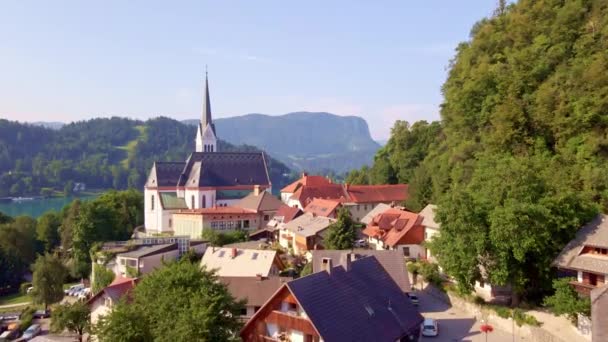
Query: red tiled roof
{"points": [[306, 194], [288, 213], [306, 180], [377, 193], [217, 210], [117, 289], [322, 207], [396, 227]]}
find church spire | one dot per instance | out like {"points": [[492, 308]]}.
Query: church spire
{"points": [[206, 117]]}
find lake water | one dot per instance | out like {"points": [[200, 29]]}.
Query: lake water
{"points": [[39, 206]]}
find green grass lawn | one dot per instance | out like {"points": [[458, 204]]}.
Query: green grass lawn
{"points": [[15, 298]]}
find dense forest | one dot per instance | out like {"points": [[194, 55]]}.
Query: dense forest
{"points": [[102, 153], [519, 159]]}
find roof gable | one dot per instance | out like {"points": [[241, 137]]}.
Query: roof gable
{"points": [[594, 233], [236, 262], [322, 207], [308, 224], [264, 201], [428, 214], [165, 174], [377, 193], [393, 225]]}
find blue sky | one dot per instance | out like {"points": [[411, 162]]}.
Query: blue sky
{"points": [[382, 60]]}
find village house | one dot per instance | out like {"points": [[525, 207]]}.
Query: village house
{"points": [[145, 259], [599, 314], [431, 227], [208, 178], [391, 261], [236, 262], [359, 199], [284, 215], [323, 207], [397, 229], [254, 290], [304, 233], [378, 209], [193, 222], [586, 257], [355, 302], [101, 303]]}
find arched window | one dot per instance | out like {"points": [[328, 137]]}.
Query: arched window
{"points": [[211, 148], [152, 202], [192, 202], [204, 204]]}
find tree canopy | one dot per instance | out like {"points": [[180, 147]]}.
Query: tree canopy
{"points": [[49, 275], [342, 233], [518, 161], [74, 317], [178, 302]]}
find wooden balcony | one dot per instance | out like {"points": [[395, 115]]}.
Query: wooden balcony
{"points": [[582, 288], [291, 322]]}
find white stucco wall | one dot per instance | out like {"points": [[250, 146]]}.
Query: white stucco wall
{"points": [[98, 309]]}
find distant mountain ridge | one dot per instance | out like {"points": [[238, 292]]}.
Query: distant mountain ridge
{"points": [[311, 141]]}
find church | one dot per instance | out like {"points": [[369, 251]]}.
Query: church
{"points": [[207, 179]]}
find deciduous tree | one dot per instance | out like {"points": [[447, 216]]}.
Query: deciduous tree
{"points": [[49, 275], [342, 233], [75, 317]]}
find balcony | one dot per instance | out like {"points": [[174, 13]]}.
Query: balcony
{"points": [[582, 288]]}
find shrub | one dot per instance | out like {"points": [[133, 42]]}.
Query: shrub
{"points": [[26, 318], [23, 288]]}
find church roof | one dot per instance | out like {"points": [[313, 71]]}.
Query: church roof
{"points": [[206, 117], [165, 174], [225, 169]]}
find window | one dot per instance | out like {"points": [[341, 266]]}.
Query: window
{"points": [[132, 263], [246, 224], [244, 312], [365, 207], [152, 202], [192, 202], [292, 307], [266, 217], [406, 251], [593, 279], [122, 261], [204, 204], [170, 223]]}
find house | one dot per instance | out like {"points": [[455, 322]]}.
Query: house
{"points": [[208, 178], [599, 314], [359, 199], [304, 233], [145, 259], [263, 203], [378, 209], [282, 216], [235, 262], [397, 229], [254, 290], [355, 302], [431, 227], [391, 261], [193, 222], [323, 207], [586, 256], [103, 301]]}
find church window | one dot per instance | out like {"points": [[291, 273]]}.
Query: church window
{"points": [[192, 202], [152, 202], [204, 202]]}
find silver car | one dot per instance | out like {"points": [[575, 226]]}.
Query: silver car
{"points": [[31, 332], [429, 327]]}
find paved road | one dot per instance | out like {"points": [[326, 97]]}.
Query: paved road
{"points": [[456, 325]]}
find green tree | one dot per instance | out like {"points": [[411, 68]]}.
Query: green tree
{"points": [[68, 189], [48, 278], [5, 218], [73, 317], [342, 233], [47, 230], [565, 300], [159, 310], [102, 277], [12, 269], [306, 270]]}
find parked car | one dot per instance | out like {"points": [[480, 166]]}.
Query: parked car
{"points": [[31, 332], [413, 298], [42, 314], [29, 289], [9, 335], [429, 327], [84, 294], [73, 291], [362, 243]]}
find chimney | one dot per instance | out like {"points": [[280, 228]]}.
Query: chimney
{"points": [[259, 277], [347, 259], [326, 265], [304, 174], [256, 190], [233, 253], [346, 186]]}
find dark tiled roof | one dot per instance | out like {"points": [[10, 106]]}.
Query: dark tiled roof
{"points": [[392, 262], [165, 173], [143, 251], [363, 304], [253, 289], [225, 169]]}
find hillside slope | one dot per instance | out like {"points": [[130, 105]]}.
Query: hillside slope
{"points": [[304, 140]]}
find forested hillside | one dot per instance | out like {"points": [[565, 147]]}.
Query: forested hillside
{"points": [[519, 160], [103, 153]]}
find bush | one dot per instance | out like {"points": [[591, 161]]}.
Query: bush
{"points": [[23, 288], [565, 301], [26, 318], [522, 318]]}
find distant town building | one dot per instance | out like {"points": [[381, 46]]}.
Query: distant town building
{"points": [[397, 229], [254, 290], [236, 262], [102, 302], [305, 233]]}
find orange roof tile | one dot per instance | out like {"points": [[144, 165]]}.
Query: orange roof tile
{"points": [[306, 180], [377, 193], [322, 207], [396, 227]]}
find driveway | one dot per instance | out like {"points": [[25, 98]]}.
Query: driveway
{"points": [[457, 325]]}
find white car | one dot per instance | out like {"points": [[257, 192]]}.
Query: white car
{"points": [[74, 289], [84, 293], [429, 327], [361, 243]]}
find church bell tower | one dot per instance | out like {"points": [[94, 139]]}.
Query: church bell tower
{"points": [[206, 140]]}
